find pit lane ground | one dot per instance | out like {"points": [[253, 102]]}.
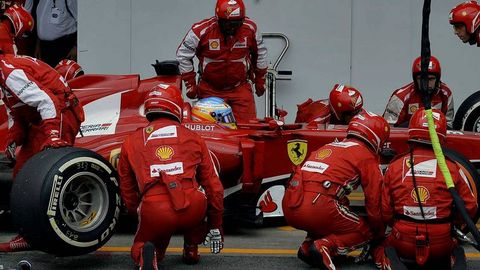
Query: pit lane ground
{"points": [[272, 247]]}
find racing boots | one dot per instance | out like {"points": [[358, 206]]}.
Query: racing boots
{"points": [[148, 260], [458, 260], [190, 254], [17, 243], [304, 252], [321, 255]]}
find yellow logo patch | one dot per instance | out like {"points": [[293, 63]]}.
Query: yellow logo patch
{"points": [[149, 129], [423, 193], [323, 154], [164, 152], [114, 157], [297, 151]]}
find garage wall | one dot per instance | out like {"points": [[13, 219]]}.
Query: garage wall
{"points": [[369, 43]]}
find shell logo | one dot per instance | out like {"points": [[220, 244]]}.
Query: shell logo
{"points": [[323, 153], [423, 193], [214, 44], [164, 152]]}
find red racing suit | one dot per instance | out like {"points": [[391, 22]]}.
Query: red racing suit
{"points": [[406, 100], [161, 167], [226, 63], [317, 193], [39, 102], [7, 44], [401, 210]]}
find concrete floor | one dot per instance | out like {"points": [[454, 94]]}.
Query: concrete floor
{"points": [[245, 248]]}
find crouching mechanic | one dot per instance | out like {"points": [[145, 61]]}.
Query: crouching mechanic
{"points": [[43, 112], [161, 169], [417, 204], [315, 200], [408, 99], [344, 102]]}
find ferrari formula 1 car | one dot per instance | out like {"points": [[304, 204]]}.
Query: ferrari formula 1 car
{"points": [[66, 201]]}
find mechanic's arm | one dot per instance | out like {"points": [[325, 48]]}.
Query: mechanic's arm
{"points": [[463, 189], [259, 62], [450, 112], [128, 183], [372, 180], [185, 54], [207, 177], [394, 112], [387, 202]]}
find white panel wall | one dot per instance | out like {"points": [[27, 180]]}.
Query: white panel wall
{"points": [[367, 43]]}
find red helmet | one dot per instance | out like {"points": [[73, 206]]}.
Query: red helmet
{"points": [[69, 69], [164, 99], [468, 14], [230, 9], [344, 98], [418, 127], [433, 67], [21, 20], [371, 128]]}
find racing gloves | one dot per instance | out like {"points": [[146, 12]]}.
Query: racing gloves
{"points": [[215, 240], [191, 84], [53, 139]]}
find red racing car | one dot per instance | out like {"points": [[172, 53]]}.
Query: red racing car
{"points": [[66, 201]]}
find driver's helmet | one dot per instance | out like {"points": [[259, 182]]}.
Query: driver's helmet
{"points": [[69, 69], [418, 127], [468, 14], [214, 110], [345, 99], [20, 18], [370, 128]]}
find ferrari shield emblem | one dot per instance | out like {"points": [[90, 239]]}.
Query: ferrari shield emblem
{"points": [[297, 151]]}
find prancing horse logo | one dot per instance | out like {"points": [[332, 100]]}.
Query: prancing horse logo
{"points": [[297, 151]]}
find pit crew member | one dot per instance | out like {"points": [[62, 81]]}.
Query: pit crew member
{"points": [[408, 99], [231, 53], [317, 193], [161, 169], [69, 69], [343, 103], [417, 204], [14, 23], [465, 18], [43, 112]]}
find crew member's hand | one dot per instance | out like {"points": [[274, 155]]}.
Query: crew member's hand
{"points": [[214, 239], [190, 84], [54, 140], [260, 86]]}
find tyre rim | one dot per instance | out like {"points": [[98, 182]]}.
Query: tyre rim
{"points": [[477, 125], [83, 201]]}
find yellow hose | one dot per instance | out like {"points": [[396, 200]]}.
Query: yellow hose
{"points": [[437, 149]]}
